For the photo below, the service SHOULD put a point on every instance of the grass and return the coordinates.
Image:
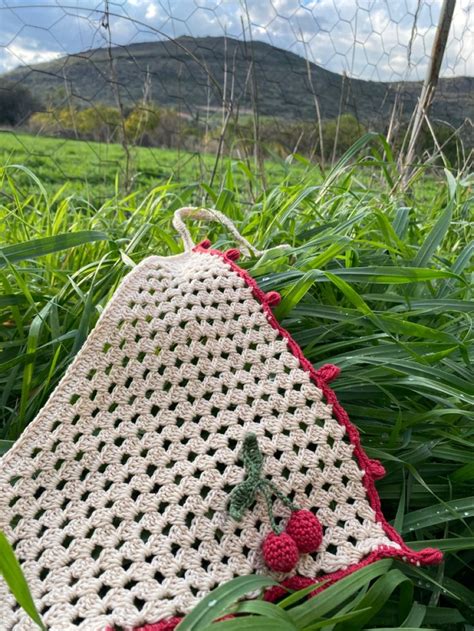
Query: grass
(377, 283)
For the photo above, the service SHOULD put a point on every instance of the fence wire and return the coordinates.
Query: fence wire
(257, 79)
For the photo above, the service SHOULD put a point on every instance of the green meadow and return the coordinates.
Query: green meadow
(97, 170)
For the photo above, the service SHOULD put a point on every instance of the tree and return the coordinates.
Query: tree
(142, 120)
(100, 123)
(16, 103)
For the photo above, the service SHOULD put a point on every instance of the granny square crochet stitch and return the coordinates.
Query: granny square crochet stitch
(116, 497)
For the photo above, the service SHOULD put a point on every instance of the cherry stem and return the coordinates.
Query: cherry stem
(244, 495)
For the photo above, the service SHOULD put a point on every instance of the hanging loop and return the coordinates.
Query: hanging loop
(206, 214)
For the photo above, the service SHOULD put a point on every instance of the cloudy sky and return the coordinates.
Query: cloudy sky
(369, 39)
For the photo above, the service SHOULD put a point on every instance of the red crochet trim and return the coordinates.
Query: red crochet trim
(373, 468)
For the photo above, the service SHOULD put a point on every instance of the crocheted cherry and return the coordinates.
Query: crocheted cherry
(305, 529)
(280, 552)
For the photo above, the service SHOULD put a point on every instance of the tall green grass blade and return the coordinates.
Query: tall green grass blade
(439, 514)
(262, 608)
(445, 545)
(434, 239)
(335, 595)
(443, 616)
(378, 595)
(463, 259)
(218, 602)
(330, 623)
(47, 245)
(401, 221)
(386, 275)
(248, 623)
(31, 175)
(294, 295)
(13, 576)
(297, 596)
(416, 616)
(31, 348)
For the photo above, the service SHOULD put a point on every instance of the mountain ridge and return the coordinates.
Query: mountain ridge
(188, 73)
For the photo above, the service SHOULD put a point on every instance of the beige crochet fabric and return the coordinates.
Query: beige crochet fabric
(116, 496)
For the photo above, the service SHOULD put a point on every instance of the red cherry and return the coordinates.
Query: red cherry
(305, 529)
(280, 552)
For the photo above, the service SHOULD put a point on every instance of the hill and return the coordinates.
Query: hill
(188, 73)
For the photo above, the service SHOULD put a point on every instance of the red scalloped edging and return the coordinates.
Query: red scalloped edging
(373, 468)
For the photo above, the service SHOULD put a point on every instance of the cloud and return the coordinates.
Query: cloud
(19, 55)
(370, 39)
(151, 11)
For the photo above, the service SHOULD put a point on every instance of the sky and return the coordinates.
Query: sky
(382, 40)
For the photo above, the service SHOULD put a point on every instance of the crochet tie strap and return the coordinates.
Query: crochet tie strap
(211, 214)
(207, 214)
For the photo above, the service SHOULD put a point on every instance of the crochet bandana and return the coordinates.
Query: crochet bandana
(188, 443)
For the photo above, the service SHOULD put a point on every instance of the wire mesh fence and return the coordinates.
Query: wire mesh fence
(156, 88)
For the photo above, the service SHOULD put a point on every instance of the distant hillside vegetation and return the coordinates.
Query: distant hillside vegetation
(188, 73)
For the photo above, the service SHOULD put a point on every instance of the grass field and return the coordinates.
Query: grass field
(96, 170)
(92, 167)
(380, 284)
